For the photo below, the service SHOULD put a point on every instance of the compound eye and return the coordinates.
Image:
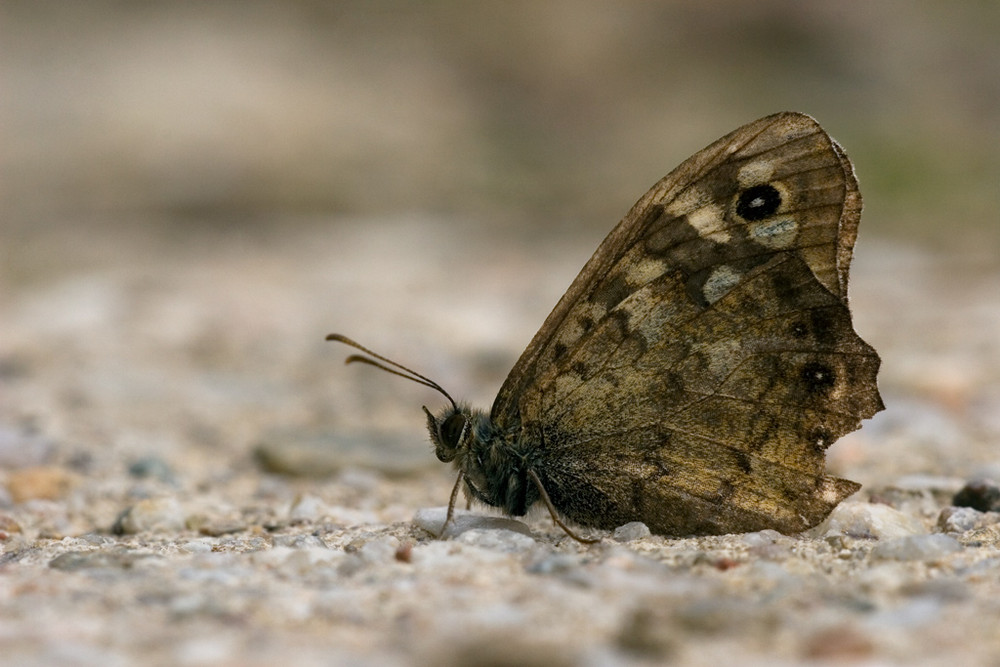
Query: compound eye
(451, 429)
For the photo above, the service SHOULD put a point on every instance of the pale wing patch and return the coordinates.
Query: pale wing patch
(723, 357)
(775, 234)
(829, 492)
(722, 279)
(645, 270)
(688, 201)
(709, 222)
(753, 173)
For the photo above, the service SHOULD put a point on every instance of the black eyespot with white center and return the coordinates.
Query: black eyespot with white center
(758, 202)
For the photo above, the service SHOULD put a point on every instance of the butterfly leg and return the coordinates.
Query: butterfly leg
(552, 510)
(451, 503)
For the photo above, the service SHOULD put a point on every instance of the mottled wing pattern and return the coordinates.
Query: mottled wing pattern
(699, 366)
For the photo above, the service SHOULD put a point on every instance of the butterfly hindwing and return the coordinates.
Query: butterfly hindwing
(703, 360)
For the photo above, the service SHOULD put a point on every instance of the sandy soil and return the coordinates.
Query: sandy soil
(189, 475)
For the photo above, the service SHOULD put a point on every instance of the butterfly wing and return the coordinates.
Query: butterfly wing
(697, 369)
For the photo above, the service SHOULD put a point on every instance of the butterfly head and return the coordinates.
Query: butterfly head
(451, 431)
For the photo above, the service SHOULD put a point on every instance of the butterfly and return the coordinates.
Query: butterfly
(697, 369)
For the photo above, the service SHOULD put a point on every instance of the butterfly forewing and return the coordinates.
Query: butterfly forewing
(703, 360)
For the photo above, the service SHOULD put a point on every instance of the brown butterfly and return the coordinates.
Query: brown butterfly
(696, 371)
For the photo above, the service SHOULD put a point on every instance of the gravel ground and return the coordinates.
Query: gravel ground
(189, 476)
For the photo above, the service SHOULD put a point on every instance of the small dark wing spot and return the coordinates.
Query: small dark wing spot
(820, 439)
(818, 377)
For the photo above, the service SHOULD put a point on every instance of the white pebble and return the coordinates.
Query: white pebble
(917, 547)
(633, 530)
(959, 519)
(870, 520)
(151, 514)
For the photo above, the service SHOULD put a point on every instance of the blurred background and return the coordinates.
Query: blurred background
(496, 113)
(193, 194)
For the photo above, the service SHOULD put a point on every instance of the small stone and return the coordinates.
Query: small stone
(494, 539)
(917, 547)
(151, 467)
(910, 501)
(503, 649)
(196, 546)
(555, 564)
(307, 507)
(39, 483)
(162, 515)
(432, 519)
(221, 527)
(870, 520)
(769, 544)
(23, 448)
(983, 495)
(959, 519)
(9, 525)
(404, 552)
(649, 632)
(321, 454)
(379, 550)
(299, 541)
(723, 616)
(633, 530)
(85, 560)
(838, 643)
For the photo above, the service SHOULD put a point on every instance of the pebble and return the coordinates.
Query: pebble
(152, 467)
(308, 507)
(959, 519)
(633, 530)
(497, 539)
(217, 527)
(379, 550)
(914, 501)
(648, 632)
(983, 495)
(769, 544)
(723, 615)
(161, 515)
(9, 525)
(39, 483)
(85, 560)
(869, 520)
(299, 541)
(843, 642)
(23, 448)
(291, 561)
(432, 519)
(917, 547)
(197, 546)
(318, 455)
(557, 563)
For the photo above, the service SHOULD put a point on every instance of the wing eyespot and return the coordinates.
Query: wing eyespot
(758, 202)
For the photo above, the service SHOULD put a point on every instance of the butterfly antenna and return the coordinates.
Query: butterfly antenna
(407, 373)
